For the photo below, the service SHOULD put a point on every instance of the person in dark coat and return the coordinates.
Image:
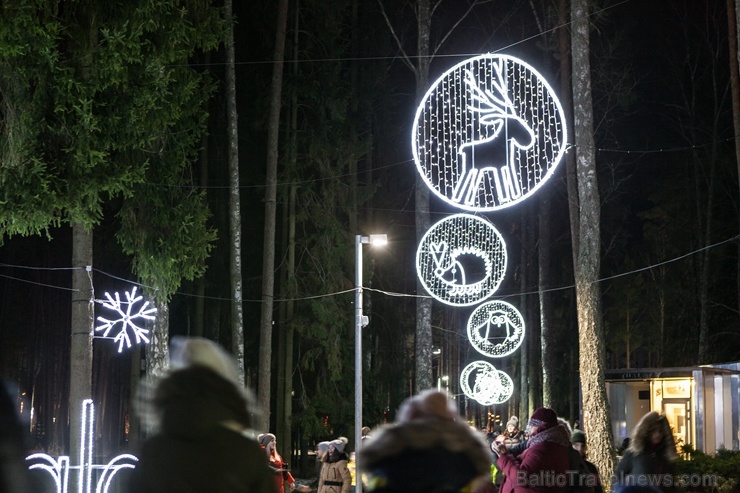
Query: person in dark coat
(430, 449)
(204, 444)
(546, 456)
(578, 439)
(648, 464)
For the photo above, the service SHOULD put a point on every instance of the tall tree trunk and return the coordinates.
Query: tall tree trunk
(268, 255)
(527, 346)
(423, 346)
(235, 217)
(732, 36)
(157, 351)
(596, 418)
(83, 309)
(547, 336)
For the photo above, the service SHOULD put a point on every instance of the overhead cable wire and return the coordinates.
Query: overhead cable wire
(380, 291)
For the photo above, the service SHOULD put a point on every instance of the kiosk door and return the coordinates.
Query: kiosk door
(678, 413)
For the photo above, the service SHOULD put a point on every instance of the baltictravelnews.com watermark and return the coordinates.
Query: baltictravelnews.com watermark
(578, 479)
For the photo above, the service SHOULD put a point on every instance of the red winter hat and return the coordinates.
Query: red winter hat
(542, 419)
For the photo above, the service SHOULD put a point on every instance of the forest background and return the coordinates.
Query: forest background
(665, 152)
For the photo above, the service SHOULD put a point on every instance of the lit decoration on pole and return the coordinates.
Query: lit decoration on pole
(496, 329)
(126, 319)
(461, 260)
(488, 133)
(59, 469)
(482, 382)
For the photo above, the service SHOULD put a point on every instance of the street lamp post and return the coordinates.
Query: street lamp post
(360, 322)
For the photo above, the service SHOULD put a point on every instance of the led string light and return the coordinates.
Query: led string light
(496, 329)
(126, 319)
(461, 260)
(59, 469)
(488, 133)
(481, 381)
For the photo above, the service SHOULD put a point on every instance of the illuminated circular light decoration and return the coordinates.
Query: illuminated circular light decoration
(488, 133)
(461, 260)
(126, 319)
(482, 382)
(496, 329)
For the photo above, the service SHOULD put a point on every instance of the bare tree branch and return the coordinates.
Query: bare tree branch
(405, 58)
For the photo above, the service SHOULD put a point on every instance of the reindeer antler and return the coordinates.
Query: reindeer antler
(493, 107)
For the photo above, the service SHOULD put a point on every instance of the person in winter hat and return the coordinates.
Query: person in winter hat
(335, 476)
(578, 439)
(428, 449)
(321, 449)
(512, 435)
(281, 473)
(204, 442)
(546, 453)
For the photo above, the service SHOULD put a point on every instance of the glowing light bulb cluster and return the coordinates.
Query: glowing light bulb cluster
(58, 469)
(486, 136)
(126, 318)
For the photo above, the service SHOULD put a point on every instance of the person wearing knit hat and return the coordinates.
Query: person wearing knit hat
(281, 472)
(512, 435)
(429, 448)
(335, 475)
(203, 442)
(578, 439)
(546, 452)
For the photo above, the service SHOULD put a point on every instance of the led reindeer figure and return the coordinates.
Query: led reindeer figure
(501, 129)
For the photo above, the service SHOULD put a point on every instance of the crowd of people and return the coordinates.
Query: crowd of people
(205, 442)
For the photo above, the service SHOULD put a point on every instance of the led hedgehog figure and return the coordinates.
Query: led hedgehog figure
(452, 273)
(490, 159)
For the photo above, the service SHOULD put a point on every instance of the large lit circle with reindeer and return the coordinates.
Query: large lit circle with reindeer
(481, 381)
(488, 133)
(461, 260)
(496, 329)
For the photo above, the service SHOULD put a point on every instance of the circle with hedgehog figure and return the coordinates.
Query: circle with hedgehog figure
(461, 260)
(488, 133)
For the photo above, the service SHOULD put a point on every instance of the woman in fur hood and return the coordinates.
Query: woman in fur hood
(428, 449)
(650, 457)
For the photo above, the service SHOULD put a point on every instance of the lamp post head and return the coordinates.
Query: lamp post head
(374, 239)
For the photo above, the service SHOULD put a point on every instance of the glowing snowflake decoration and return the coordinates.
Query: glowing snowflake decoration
(126, 319)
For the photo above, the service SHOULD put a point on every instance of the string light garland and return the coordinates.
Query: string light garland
(488, 133)
(496, 329)
(126, 319)
(461, 260)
